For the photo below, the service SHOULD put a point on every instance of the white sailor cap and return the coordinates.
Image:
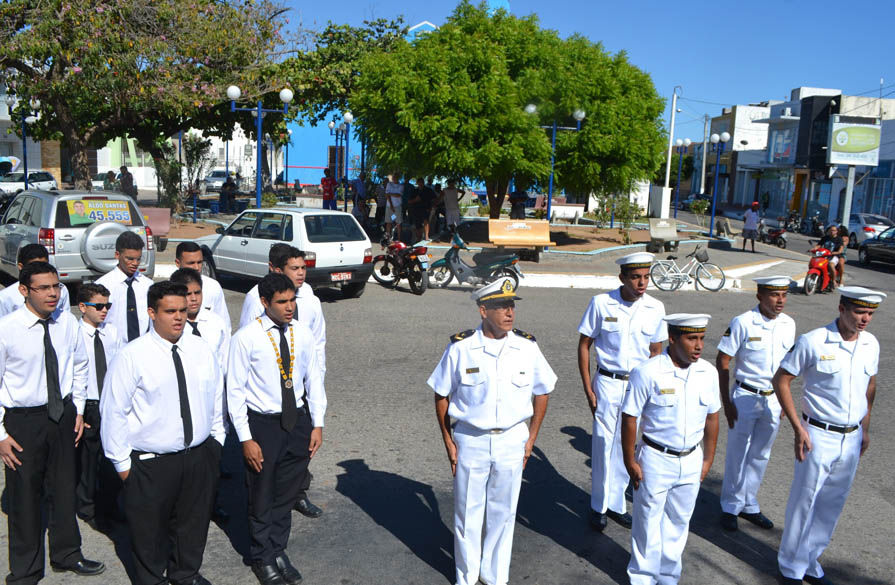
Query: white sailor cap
(636, 260)
(862, 297)
(502, 289)
(773, 282)
(688, 322)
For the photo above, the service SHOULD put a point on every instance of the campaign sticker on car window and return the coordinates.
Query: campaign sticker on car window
(87, 211)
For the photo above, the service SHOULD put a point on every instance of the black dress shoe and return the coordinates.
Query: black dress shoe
(623, 519)
(220, 515)
(82, 567)
(728, 522)
(758, 519)
(597, 521)
(305, 506)
(817, 580)
(197, 580)
(290, 574)
(787, 580)
(268, 574)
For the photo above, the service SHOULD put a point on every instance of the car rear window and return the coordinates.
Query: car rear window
(878, 220)
(85, 212)
(327, 228)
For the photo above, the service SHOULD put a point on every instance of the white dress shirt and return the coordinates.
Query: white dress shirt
(140, 404)
(835, 372)
(111, 345)
(759, 345)
(307, 310)
(116, 282)
(11, 299)
(622, 331)
(213, 300)
(672, 402)
(490, 382)
(253, 376)
(215, 332)
(23, 374)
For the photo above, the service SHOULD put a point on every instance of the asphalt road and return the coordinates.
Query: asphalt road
(383, 478)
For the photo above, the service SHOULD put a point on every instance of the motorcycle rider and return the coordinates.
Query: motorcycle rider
(832, 241)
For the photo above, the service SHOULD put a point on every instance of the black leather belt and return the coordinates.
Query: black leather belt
(144, 455)
(828, 427)
(663, 449)
(32, 409)
(608, 374)
(302, 410)
(755, 390)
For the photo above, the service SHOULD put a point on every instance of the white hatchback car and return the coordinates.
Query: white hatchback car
(37, 179)
(338, 251)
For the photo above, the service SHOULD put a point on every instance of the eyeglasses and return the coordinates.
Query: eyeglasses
(45, 288)
(99, 306)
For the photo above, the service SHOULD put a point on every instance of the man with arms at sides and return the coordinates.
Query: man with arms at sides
(98, 484)
(128, 288)
(328, 187)
(490, 380)
(163, 429)
(277, 404)
(625, 327)
(43, 387)
(750, 225)
(10, 297)
(758, 339)
(838, 364)
(189, 255)
(675, 397)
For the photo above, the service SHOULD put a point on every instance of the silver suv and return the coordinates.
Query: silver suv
(78, 228)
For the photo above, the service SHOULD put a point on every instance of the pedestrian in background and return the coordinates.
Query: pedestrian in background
(750, 225)
(328, 187)
(110, 183)
(126, 183)
(451, 200)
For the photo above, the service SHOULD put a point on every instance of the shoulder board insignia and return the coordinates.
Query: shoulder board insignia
(462, 335)
(727, 333)
(527, 336)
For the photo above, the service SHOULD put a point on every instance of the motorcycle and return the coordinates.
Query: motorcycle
(487, 267)
(813, 226)
(775, 237)
(402, 261)
(818, 278)
(790, 223)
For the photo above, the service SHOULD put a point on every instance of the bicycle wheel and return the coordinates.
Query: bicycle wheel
(662, 274)
(710, 277)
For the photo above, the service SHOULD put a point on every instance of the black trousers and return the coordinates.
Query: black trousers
(47, 470)
(168, 501)
(98, 483)
(274, 491)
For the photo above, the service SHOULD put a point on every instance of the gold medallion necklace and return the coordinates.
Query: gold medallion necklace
(276, 349)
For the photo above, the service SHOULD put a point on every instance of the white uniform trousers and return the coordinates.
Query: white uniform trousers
(608, 476)
(486, 491)
(663, 505)
(820, 486)
(749, 445)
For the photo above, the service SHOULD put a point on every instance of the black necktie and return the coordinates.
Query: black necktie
(289, 416)
(51, 362)
(133, 321)
(195, 327)
(99, 353)
(184, 399)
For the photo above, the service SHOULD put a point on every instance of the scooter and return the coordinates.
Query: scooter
(488, 266)
(775, 237)
(818, 278)
(402, 261)
(790, 222)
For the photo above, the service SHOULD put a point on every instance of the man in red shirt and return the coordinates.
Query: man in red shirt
(328, 185)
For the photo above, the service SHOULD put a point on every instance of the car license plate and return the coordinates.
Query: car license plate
(424, 263)
(340, 276)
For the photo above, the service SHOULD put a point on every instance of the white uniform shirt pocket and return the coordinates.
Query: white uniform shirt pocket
(471, 391)
(611, 333)
(522, 379)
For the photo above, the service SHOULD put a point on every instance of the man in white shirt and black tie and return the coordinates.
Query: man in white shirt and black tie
(43, 381)
(128, 287)
(189, 255)
(10, 297)
(163, 430)
(277, 404)
(98, 486)
(200, 321)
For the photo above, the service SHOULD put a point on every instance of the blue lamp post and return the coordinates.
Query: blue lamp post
(682, 147)
(578, 115)
(234, 94)
(348, 118)
(29, 117)
(718, 142)
(286, 163)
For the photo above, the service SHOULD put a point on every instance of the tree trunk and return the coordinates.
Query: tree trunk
(80, 164)
(497, 192)
(167, 172)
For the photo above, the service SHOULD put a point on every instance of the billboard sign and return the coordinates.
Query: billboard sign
(854, 142)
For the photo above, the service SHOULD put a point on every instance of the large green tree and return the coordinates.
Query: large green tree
(147, 68)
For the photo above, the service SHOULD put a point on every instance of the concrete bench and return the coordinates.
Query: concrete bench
(520, 233)
(662, 235)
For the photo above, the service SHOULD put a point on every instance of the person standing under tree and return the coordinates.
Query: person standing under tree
(328, 187)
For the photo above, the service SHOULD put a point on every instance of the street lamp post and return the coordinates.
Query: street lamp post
(286, 163)
(718, 142)
(234, 94)
(682, 147)
(28, 117)
(348, 118)
(578, 115)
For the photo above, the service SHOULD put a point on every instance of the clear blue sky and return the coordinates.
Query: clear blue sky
(722, 51)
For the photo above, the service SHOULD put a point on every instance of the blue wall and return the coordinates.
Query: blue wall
(309, 148)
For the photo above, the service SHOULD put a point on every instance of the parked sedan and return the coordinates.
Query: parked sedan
(15, 182)
(878, 249)
(864, 226)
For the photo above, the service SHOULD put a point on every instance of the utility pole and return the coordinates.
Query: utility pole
(671, 134)
(705, 147)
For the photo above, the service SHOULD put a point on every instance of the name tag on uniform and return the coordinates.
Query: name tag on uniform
(827, 358)
(611, 319)
(472, 370)
(755, 339)
(666, 391)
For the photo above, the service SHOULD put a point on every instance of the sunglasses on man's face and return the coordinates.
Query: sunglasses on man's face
(99, 306)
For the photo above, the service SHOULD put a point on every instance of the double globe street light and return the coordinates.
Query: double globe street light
(342, 132)
(718, 142)
(578, 115)
(29, 117)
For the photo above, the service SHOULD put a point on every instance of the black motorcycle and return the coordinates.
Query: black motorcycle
(813, 226)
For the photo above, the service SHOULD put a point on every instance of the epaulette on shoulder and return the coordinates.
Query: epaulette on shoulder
(462, 335)
(527, 336)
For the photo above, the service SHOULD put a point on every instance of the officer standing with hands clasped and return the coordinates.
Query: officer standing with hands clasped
(675, 396)
(839, 364)
(625, 327)
(758, 339)
(486, 380)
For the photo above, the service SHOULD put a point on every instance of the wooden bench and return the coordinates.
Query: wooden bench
(662, 235)
(520, 233)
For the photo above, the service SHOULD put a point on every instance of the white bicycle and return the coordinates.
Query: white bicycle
(667, 275)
